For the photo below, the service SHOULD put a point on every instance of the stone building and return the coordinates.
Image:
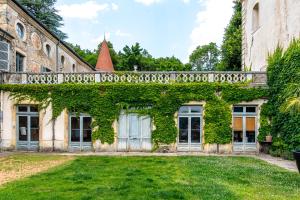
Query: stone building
(267, 24)
(31, 54)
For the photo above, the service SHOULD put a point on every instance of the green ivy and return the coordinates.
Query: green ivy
(104, 103)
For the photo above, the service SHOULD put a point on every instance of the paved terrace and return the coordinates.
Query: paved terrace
(254, 78)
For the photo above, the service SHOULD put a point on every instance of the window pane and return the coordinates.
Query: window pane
(183, 129)
(75, 135)
(87, 135)
(75, 123)
(238, 109)
(238, 124)
(23, 128)
(34, 109)
(250, 136)
(184, 109)
(196, 109)
(195, 132)
(22, 108)
(238, 136)
(87, 123)
(251, 109)
(34, 128)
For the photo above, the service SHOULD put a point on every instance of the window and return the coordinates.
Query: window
(244, 124)
(27, 127)
(45, 70)
(4, 56)
(255, 17)
(62, 61)
(20, 30)
(48, 50)
(190, 122)
(19, 62)
(80, 132)
(73, 68)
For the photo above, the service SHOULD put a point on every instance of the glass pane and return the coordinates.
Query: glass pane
(34, 109)
(23, 128)
(183, 129)
(238, 109)
(238, 136)
(22, 108)
(184, 109)
(133, 127)
(238, 124)
(87, 135)
(75, 135)
(196, 109)
(251, 109)
(195, 123)
(250, 136)
(87, 123)
(75, 123)
(34, 128)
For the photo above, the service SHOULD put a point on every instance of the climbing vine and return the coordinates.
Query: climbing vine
(105, 101)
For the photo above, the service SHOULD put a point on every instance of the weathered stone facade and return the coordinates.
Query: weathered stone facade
(267, 24)
(39, 46)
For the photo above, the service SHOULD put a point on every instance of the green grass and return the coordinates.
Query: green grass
(158, 178)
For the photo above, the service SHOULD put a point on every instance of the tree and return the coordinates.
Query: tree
(205, 58)
(231, 49)
(46, 13)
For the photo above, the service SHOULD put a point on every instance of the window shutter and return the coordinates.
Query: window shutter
(4, 56)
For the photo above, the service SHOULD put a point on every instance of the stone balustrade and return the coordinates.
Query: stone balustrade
(258, 78)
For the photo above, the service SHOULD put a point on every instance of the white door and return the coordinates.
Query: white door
(134, 133)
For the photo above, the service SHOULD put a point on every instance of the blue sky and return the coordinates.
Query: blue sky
(163, 27)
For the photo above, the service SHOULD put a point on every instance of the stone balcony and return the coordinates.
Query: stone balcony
(254, 78)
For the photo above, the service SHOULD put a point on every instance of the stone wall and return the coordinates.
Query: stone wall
(33, 44)
(278, 25)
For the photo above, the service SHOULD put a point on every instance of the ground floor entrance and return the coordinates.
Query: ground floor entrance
(27, 128)
(190, 128)
(134, 133)
(80, 133)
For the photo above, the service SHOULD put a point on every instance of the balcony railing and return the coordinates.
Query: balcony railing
(257, 78)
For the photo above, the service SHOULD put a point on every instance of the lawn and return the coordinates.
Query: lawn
(158, 178)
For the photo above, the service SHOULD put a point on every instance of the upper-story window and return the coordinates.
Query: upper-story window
(20, 30)
(255, 17)
(19, 62)
(62, 61)
(73, 68)
(48, 50)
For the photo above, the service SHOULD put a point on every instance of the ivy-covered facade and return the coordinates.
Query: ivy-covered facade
(206, 117)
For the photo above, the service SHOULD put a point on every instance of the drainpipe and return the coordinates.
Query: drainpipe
(53, 134)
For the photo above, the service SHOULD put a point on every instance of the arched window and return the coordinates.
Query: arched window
(20, 30)
(48, 50)
(255, 17)
(73, 68)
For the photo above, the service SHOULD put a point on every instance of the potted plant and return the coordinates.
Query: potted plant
(269, 138)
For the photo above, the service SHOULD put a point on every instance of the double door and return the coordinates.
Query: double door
(27, 128)
(134, 133)
(80, 133)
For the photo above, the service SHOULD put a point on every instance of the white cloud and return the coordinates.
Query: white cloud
(211, 22)
(122, 34)
(114, 6)
(87, 10)
(148, 2)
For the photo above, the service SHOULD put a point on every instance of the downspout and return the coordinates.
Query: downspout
(53, 134)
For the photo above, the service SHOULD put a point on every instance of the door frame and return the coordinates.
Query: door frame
(244, 145)
(79, 146)
(27, 145)
(190, 146)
